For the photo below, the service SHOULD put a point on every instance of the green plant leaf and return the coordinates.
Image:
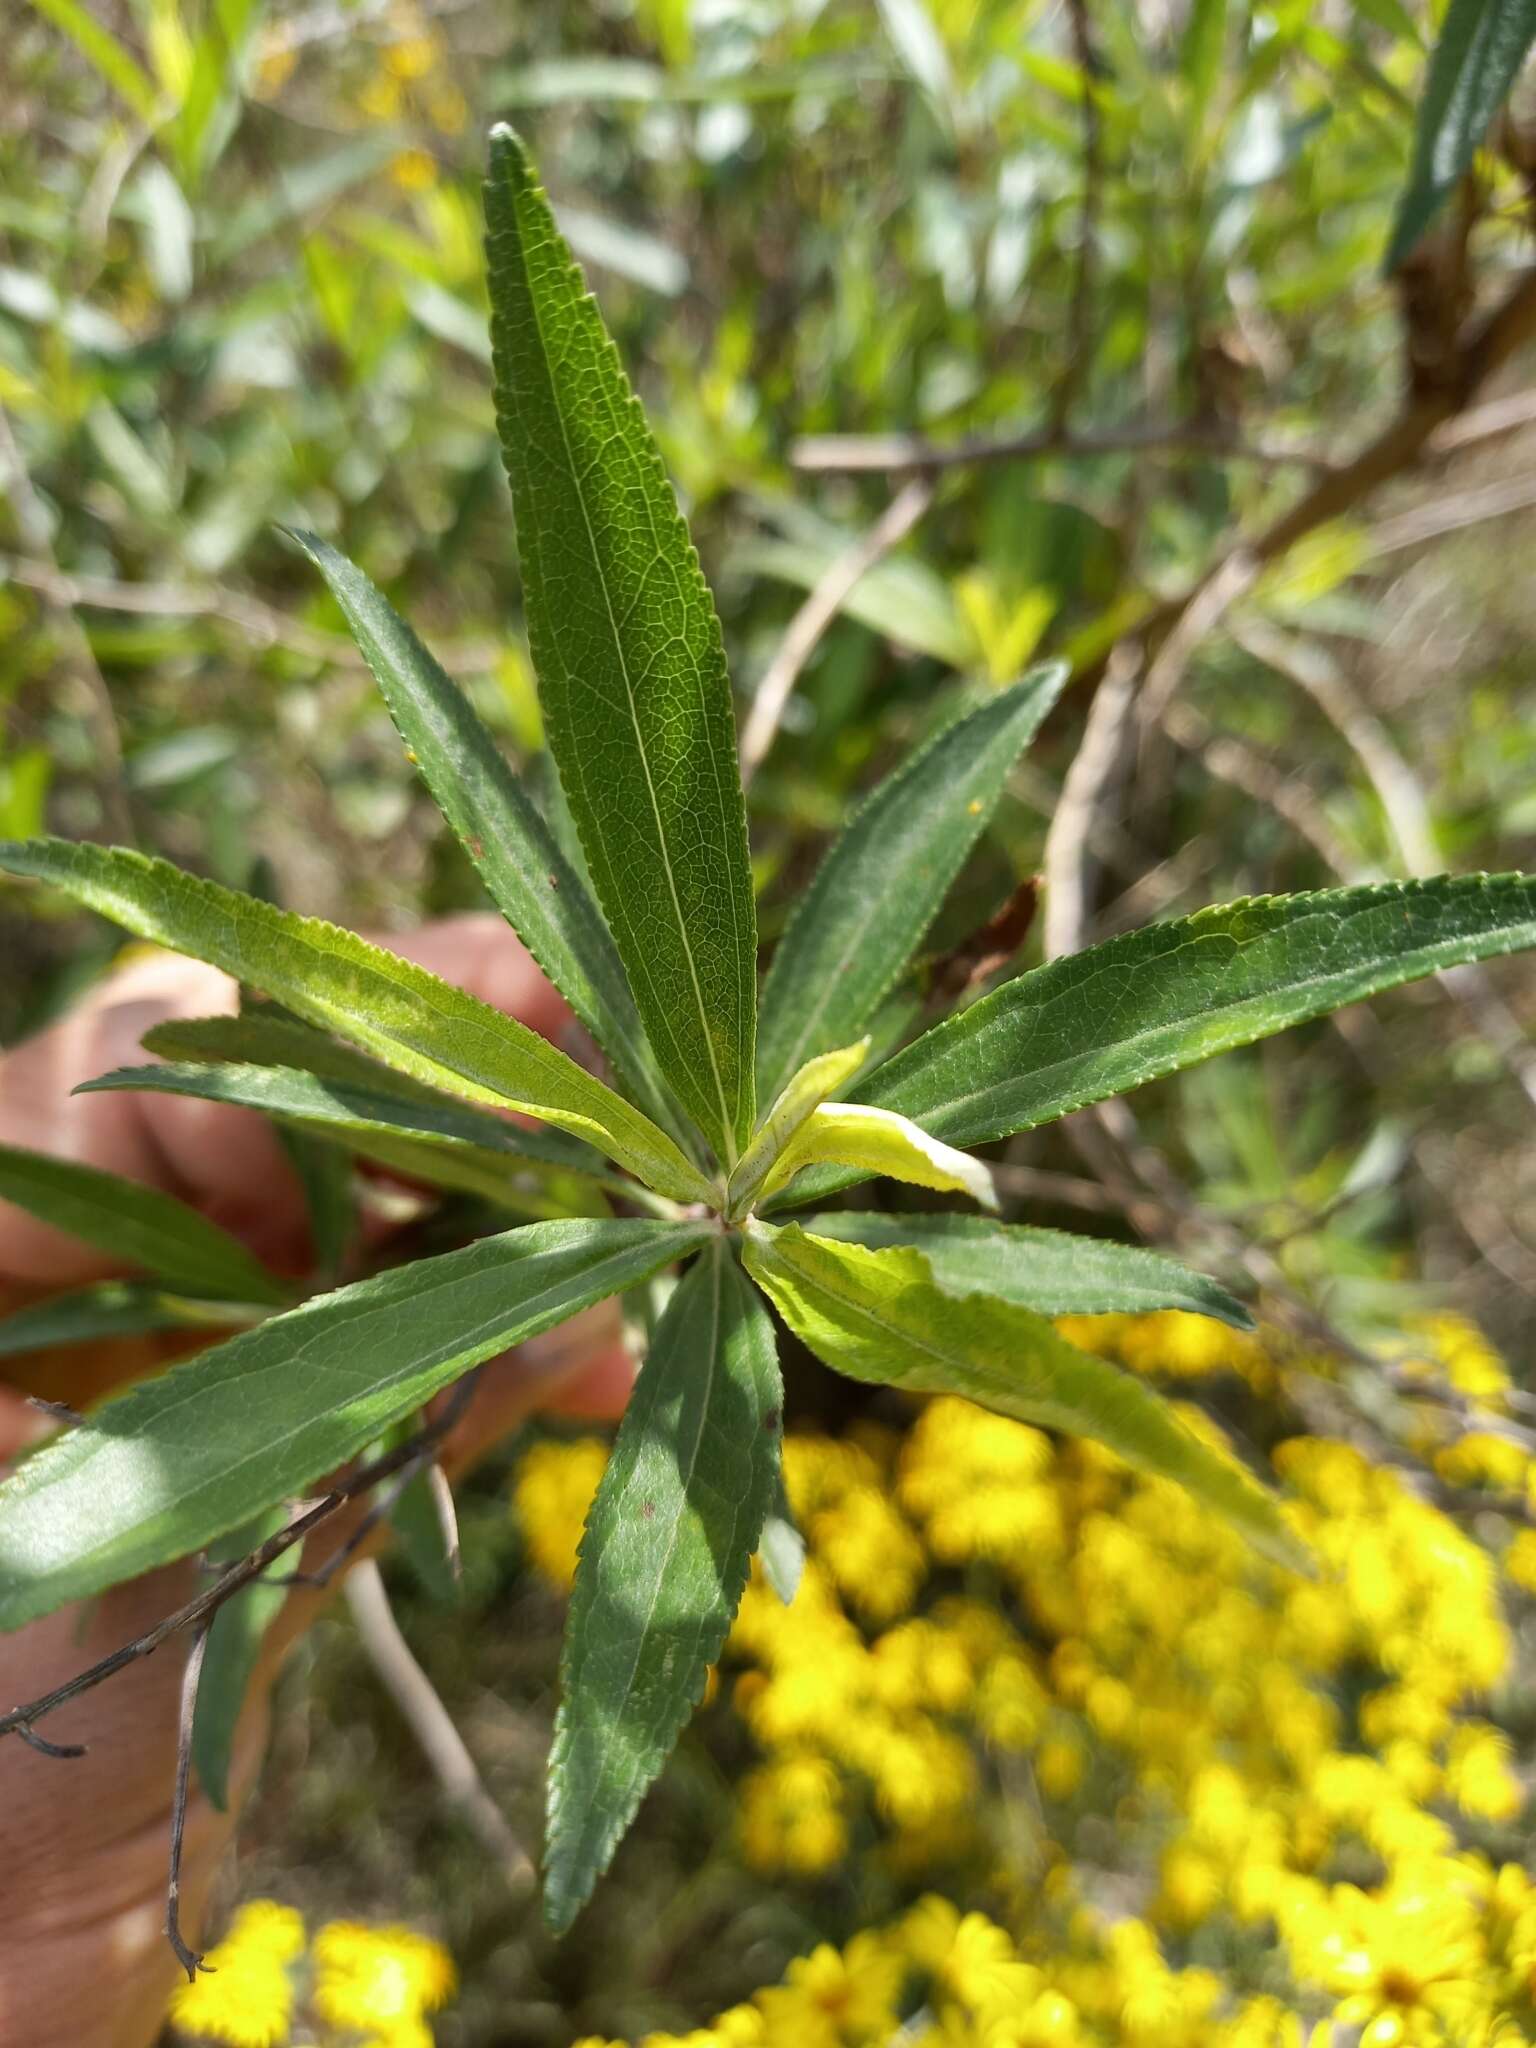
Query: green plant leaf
(234, 1643)
(1482, 45)
(425, 1027)
(1094, 1024)
(879, 1141)
(137, 1225)
(881, 1316)
(799, 1098)
(1054, 1272)
(632, 678)
(464, 1147)
(530, 881)
(175, 1462)
(115, 1308)
(665, 1556)
(882, 882)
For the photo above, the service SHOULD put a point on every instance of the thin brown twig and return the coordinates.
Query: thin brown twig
(851, 454)
(1229, 760)
(202, 1606)
(191, 1960)
(432, 1725)
(1451, 514)
(1488, 422)
(1086, 794)
(834, 588)
(1407, 812)
(1079, 336)
(262, 622)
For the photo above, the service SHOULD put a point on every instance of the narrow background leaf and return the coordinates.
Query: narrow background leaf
(137, 1225)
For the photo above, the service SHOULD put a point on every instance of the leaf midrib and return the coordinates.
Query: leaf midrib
(686, 1477)
(727, 1120)
(286, 1364)
(956, 1103)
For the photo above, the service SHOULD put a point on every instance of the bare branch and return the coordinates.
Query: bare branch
(262, 623)
(431, 1724)
(1451, 514)
(190, 1959)
(1173, 439)
(837, 584)
(1407, 811)
(1079, 338)
(1087, 791)
(203, 1605)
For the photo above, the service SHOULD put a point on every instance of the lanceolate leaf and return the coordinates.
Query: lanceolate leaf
(881, 1316)
(425, 1027)
(1051, 1271)
(1482, 45)
(430, 1137)
(175, 1462)
(878, 1141)
(234, 1644)
(631, 667)
(667, 1548)
(137, 1225)
(367, 1120)
(541, 896)
(92, 1315)
(882, 882)
(1093, 1024)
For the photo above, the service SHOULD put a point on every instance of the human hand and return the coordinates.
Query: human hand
(83, 1958)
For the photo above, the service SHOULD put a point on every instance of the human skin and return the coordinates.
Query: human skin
(84, 1961)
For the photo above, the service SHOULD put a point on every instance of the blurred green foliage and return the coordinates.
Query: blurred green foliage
(241, 283)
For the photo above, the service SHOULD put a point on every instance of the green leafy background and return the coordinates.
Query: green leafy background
(273, 312)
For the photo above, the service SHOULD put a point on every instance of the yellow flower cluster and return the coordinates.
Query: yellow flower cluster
(367, 1987)
(1020, 1664)
(411, 80)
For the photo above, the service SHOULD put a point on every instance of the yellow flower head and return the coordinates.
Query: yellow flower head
(380, 1977)
(246, 1996)
(553, 1491)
